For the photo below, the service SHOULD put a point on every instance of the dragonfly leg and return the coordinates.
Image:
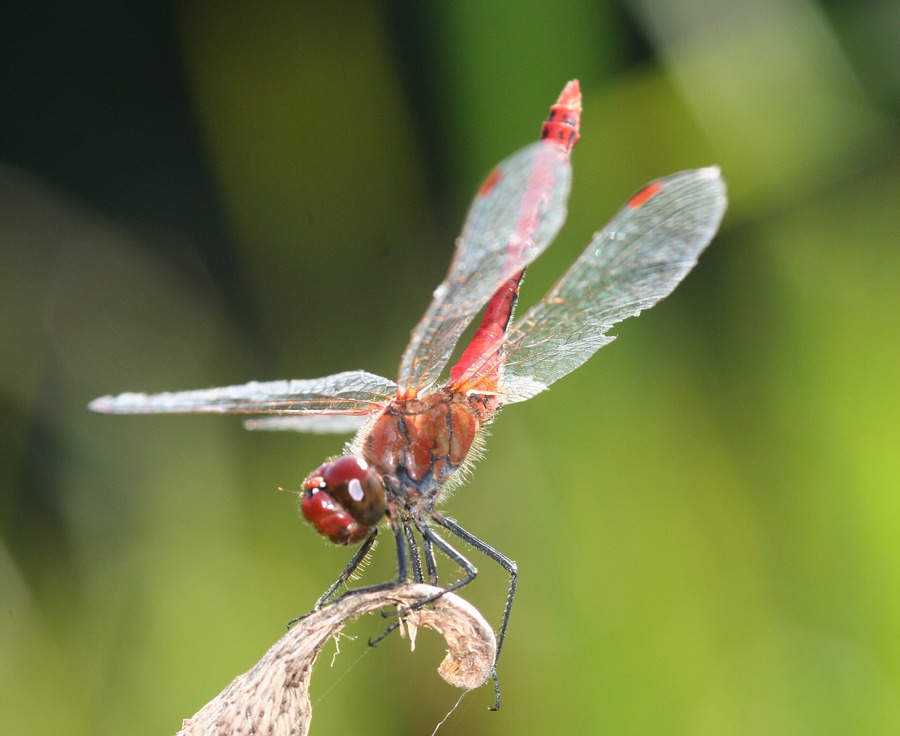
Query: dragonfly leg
(416, 559)
(507, 564)
(428, 547)
(430, 540)
(406, 545)
(350, 569)
(353, 565)
(501, 559)
(433, 540)
(345, 575)
(413, 553)
(470, 573)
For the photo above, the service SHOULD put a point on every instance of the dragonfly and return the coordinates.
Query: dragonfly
(416, 437)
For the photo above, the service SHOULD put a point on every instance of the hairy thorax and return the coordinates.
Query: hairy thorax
(417, 444)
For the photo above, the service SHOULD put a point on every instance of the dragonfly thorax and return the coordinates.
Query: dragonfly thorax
(417, 444)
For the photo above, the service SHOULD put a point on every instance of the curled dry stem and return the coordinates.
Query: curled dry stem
(273, 697)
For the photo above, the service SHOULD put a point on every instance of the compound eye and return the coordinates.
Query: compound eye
(330, 519)
(356, 487)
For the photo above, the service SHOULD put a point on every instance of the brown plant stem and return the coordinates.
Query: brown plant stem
(272, 698)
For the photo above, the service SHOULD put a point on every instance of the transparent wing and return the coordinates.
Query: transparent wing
(514, 217)
(350, 393)
(636, 260)
(315, 423)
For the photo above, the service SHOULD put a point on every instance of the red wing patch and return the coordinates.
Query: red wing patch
(489, 183)
(645, 195)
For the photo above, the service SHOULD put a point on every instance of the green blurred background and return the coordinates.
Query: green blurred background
(706, 516)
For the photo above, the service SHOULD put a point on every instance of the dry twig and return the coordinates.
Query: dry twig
(272, 698)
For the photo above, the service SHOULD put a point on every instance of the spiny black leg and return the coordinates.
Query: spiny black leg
(468, 568)
(498, 557)
(433, 540)
(429, 560)
(413, 552)
(507, 565)
(345, 575)
(402, 571)
(402, 565)
(471, 572)
(402, 535)
(350, 569)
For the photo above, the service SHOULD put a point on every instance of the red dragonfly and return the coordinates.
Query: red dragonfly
(417, 436)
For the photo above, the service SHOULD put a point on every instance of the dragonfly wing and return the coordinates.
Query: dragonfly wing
(631, 264)
(314, 423)
(350, 393)
(514, 217)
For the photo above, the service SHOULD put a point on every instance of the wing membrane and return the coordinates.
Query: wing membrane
(631, 264)
(514, 217)
(349, 393)
(314, 423)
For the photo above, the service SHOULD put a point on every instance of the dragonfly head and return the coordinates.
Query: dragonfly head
(343, 499)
